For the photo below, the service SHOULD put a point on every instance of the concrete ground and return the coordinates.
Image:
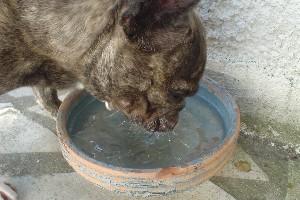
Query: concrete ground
(263, 168)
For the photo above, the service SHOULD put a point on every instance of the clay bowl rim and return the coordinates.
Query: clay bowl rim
(230, 140)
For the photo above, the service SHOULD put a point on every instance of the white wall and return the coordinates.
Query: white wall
(254, 50)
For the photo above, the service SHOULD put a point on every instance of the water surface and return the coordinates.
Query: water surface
(108, 136)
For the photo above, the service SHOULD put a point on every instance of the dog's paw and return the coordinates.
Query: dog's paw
(7, 192)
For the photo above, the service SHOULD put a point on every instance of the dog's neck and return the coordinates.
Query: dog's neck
(63, 30)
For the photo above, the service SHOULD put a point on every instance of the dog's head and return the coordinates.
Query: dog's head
(152, 61)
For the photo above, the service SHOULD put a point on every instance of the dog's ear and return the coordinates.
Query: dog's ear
(140, 14)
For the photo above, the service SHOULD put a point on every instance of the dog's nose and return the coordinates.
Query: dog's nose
(162, 124)
(167, 123)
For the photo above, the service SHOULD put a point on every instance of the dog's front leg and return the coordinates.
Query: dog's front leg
(45, 81)
(47, 98)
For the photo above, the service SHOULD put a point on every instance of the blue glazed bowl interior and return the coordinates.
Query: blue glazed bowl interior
(207, 122)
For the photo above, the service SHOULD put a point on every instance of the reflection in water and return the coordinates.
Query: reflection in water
(108, 137)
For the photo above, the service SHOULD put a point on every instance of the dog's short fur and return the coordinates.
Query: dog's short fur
(141, 56)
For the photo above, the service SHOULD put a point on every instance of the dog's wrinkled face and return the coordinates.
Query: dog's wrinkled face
(156, 64)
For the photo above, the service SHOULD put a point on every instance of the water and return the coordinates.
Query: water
(110, 138)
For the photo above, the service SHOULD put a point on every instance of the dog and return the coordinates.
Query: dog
(142, 57)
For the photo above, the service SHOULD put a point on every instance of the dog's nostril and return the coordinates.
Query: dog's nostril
(167, 124)
(153, 125)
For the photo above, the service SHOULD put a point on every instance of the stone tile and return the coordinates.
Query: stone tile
(18, 134)
(294, 181)
(244, 189)
(271, 161)
(55, 187)
(231, 170)
(29, 152)
(5, 105)
(207, 191)
(8, 108)
(21, 92)
(71, 186)
(39, 110)
(33, 164)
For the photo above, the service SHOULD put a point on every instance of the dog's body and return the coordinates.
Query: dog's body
(141, 56)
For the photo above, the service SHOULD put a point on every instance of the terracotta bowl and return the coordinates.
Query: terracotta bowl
(157, 181)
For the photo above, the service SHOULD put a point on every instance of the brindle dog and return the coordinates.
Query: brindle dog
(143, 57)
